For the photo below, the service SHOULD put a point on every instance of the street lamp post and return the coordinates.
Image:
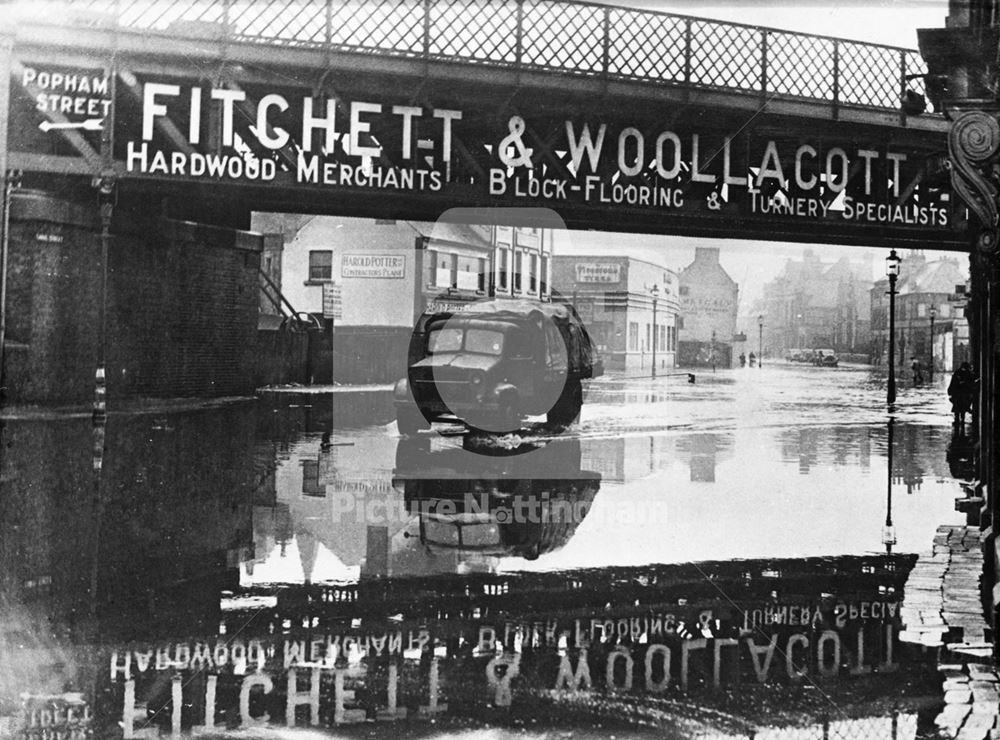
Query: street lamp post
(655, 292)
(760, 341)
(930, 369)
(892, 271)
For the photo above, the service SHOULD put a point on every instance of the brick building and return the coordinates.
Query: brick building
(522, 261)
(614, 297)
(921, 286)
(181, 310)
(813, 304)
(388, 272)
(709, 299)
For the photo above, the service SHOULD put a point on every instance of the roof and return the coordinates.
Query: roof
(442, 231)
(704, 266)
(940, 276)
(519, 308)
(504, 308)
(367, 232)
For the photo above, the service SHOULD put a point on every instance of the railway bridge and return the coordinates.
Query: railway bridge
(138, 137)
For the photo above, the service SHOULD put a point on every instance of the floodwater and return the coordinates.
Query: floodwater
(719, 559)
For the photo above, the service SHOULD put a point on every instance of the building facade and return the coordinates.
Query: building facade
(614, 296)
(813, 304)
(923, 289)
(709, 300)
(522, 260)
(386, 272)
(367, 281)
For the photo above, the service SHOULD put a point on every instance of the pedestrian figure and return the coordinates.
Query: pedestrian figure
(743, 359)
(960, 391)
(753, 359)
(918, 376)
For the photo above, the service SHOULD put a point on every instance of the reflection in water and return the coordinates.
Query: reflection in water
(299, 561)
(889, 531)
(701, 450)
(960, 455)
(524, 503)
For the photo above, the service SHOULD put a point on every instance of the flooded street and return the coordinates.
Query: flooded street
(720, 559)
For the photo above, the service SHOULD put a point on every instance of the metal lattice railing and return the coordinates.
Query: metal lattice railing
(568, 37)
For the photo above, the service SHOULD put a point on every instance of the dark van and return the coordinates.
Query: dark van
(493, 364)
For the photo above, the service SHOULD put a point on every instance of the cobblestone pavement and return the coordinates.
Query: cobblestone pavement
(942, 608)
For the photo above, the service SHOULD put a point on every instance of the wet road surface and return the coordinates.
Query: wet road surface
(688, 560)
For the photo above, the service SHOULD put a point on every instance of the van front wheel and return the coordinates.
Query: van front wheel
(567, 409)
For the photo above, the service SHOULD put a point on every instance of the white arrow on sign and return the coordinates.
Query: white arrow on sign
(91, 124)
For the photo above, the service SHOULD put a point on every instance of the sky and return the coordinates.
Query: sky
(891, 22)
(749, 263)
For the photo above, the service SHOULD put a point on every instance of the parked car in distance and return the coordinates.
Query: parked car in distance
(825, 358)
(795, 355)
(494, 363)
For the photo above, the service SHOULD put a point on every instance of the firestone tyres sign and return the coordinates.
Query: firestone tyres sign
(598, 272)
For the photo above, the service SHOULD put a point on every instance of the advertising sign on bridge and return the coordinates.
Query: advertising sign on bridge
(392, 156)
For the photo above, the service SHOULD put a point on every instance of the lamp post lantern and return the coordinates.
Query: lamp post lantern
(760, 341)
(892, 271)
(655, 293)
(930, 368)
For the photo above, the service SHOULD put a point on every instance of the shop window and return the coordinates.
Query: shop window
(502, 271)
(443, 277)
(467, 277)
(633, 336)
(431, 261)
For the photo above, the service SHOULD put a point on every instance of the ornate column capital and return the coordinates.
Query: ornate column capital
(973, 143)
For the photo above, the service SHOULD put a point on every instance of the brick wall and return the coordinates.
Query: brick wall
(173, 499)
(182, 304)
(282, 357)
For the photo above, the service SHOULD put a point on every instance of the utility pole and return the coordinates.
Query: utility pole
(655, 292)
(892, 271)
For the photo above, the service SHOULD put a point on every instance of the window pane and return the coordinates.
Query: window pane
(484, 341)
(444, 340)
(320, 265)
